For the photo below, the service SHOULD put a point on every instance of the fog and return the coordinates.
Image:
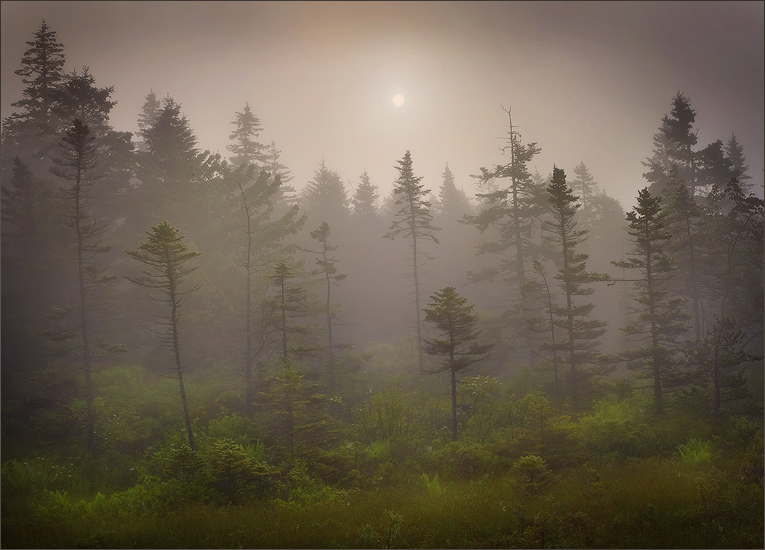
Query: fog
(382, 274)
(588, 81)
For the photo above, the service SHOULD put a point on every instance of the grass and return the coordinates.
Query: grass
(646, 504)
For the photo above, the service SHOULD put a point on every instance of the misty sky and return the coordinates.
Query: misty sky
(588, 81)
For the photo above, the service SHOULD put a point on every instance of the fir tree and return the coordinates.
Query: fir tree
(458, 343)
(327, 267)
(148, 115)
(734, 151)
(42, 72)
(77, 161)
(166, 255)
(246, 149)
(580, 335)
(658, 319)
(414, 221)
(673, 146)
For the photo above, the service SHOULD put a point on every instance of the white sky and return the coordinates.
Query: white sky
(588, 81)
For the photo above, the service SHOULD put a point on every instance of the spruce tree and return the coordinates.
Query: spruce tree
(76, 163)
(246, 149)
(414, 221)
(365, 198)
(42, 72)
(658, 320)
(149, 111)
(458, 342)
(673, 146)
(584, 184)
(685, 225)
(263, 243)
(508, 212)
(579, 342)
(734, 151)
(327, 267)
(325, 198)
(166, 257)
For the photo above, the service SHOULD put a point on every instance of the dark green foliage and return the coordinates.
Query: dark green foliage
(658, 320)
(458, 343)
(507, 215)
(579, 342)
(165, 254)
(718, 382)
(42, 71)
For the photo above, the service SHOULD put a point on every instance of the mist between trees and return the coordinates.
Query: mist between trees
(321, 323)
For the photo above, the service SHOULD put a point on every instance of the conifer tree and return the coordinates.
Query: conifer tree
(717, 364)
(544, 324)
(79, 97)
(42, 72)
(264, 243)
(166, 257)
(684, 224)
(458, 342)
(414, 221)
(507, 215)
(149, 111)
(584, 184)
(734, 244)
(578, 346)
(658, 319)
(325, 198)
(734, 151)
(76, 163)
(453, 203)
(365, 198)
(673, 146)
(290, 302)
(327, 266)
(511, 210)
(246, 149)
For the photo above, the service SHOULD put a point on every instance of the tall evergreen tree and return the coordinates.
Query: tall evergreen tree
(511, 210)
(414, 221)
(246, 149)
(79, 97)
(328, 267)
(170, 140)
(458, 343)
(580, 334)
(658, 320)
(290, 301)
(673, 146)
(717, 362)
(149, 111)
(325, 198)
(365, 198)
(77, 161)
(286, 197)
(453, 203)
(42, 72)
(507, 214)
(734, 245)
(584, 184)
(684, 224)
(734, 151)
(166, 257)
(264, 242)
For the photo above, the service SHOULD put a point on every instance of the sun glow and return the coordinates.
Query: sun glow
(398, 100)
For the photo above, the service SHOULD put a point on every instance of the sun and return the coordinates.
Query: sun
(398, 100)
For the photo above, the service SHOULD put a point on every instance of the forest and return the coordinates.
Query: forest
(200, 352)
